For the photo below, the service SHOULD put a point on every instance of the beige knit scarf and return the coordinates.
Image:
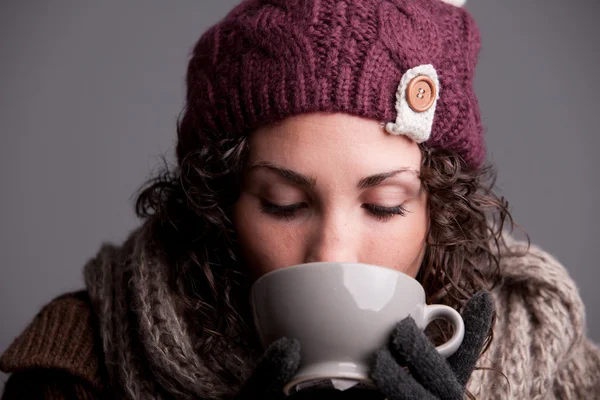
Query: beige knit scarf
(540, 342)
(151, 353)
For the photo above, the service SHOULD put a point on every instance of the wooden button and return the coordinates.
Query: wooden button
(421, 93)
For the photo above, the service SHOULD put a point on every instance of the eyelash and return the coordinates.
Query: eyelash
(288, 212)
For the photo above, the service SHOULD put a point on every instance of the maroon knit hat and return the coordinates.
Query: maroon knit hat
(406, 63)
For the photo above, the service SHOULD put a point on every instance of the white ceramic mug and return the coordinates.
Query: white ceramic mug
(341, 313)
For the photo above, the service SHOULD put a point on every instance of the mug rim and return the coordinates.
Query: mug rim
(342, 264)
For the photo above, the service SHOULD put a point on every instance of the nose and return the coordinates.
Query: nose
(332, 239)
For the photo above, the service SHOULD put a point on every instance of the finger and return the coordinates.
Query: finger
(410, 347)
(477, 316)
(393, 381)
(273, 370)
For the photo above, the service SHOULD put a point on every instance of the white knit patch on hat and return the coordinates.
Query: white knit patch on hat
(415, 125)
(457, 3)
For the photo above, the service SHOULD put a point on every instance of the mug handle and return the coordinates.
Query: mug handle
(440, 311)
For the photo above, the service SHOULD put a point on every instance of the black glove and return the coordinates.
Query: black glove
(431, 375)
(273, 370)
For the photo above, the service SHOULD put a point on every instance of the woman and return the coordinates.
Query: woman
(313, 131)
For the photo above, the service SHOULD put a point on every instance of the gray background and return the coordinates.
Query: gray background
(90, 92)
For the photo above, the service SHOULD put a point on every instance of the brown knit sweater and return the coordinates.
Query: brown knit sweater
(58, 355)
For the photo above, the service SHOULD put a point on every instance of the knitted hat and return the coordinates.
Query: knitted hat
(406, 63)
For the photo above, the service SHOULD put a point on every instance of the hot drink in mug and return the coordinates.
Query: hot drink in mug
(341, 313)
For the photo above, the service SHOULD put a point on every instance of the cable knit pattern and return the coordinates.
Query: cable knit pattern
(148, 349)
(269, 59)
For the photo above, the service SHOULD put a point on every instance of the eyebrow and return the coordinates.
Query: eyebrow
(309, 183)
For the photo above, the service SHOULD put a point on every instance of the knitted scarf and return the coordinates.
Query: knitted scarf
(148, 349)
(539, 336)
(150, 352)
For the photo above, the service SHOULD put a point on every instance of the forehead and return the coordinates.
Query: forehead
(332, 141)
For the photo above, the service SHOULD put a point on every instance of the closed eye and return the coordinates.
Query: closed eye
(386, 213)
(289, 212)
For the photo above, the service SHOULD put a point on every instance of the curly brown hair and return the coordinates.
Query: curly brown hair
(190, 207)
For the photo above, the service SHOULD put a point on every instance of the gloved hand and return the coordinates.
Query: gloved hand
(277, 366)
(273, 370)
(431, 375)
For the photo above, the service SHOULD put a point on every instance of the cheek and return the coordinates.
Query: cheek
(266, 246)
(401, 244)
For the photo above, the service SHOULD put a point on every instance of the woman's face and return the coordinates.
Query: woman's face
(331, 187)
